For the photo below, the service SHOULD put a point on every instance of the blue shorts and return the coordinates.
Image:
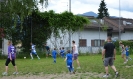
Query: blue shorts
(127, 53)
(34, 53)
(69, 63)
(54, 57)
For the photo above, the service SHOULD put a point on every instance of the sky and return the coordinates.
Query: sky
(82, 6)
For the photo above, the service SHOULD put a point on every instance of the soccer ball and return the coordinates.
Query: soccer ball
(24, 57)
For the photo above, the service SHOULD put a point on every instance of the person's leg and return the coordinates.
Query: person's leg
(106, 70)
(31, 55)
(126, 58)
(129, 58)
(76, 57)
(6, 64)
(13, 63)
(123, 56)
(106, 63)
(68, 66)
(54, 58)
(111, 63)
(6, 67)
(71, 67)
(46, 53)
(36, 55)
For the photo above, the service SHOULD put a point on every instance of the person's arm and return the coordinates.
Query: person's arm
(73, 48)
(65, 59)
(114, 53)
(123, 48)
(103, 53)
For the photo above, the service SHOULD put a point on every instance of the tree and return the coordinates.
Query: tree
(44, 25)
(66, 22)
(103, 11)
(13, 10)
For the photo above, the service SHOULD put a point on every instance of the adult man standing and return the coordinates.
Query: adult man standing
(75, 53)
(108, 54)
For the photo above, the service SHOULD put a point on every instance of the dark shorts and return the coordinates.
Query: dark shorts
(34, 53)
(75, 56)
(108, 61)
(8, 61)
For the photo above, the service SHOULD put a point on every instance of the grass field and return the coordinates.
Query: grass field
(91, 68)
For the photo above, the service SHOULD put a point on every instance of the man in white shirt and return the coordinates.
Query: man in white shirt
(75, 53)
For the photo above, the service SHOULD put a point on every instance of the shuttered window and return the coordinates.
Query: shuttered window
(97, 42)
(82, 43)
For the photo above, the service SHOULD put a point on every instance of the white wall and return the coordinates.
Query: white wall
(89, 35)
(5, 47)
(84, 34)
(127, 35)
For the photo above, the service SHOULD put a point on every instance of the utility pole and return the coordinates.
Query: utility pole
(119, 21)
(69, 30)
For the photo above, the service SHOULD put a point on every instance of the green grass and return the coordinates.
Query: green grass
(91, 67)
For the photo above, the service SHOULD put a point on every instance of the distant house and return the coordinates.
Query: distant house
(93, 36)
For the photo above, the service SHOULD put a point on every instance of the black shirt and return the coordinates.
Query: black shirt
(109, 49)
(47, 48)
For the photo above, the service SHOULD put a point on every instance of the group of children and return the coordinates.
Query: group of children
(68, 58)
(125, 52)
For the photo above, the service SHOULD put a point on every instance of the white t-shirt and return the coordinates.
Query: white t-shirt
(76, 49)
(33, 48)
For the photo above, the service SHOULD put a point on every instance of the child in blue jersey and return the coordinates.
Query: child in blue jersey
(54, 52)
(33, 51)
(69, 61)
(127, 53)
(62, 52)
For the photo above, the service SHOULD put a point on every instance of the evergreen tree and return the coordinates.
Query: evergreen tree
(103, 11)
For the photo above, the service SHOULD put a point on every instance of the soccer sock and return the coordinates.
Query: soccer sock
(31, 56)
(38, 57)
(130, 58)
(69, 69)
(54, 60)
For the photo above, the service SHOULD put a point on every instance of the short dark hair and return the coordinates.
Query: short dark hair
(109, 37)
(62, 47)
(54, 48)
(68, 51)
(73, 41)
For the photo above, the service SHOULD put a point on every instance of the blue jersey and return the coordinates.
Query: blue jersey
(127, 51)
(69, 57)
(54, 53)
(62, 51)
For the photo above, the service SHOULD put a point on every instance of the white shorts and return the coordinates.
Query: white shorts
(124, 52)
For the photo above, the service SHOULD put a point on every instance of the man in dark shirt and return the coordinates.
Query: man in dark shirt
(47, 50)
(108, 55)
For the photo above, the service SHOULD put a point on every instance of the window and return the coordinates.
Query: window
(97, 42)
(109, 32)
(82, 43)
